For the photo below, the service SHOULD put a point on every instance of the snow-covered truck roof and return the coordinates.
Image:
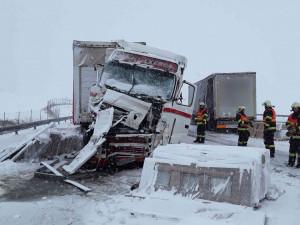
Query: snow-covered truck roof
(153, 51)
(89, 53)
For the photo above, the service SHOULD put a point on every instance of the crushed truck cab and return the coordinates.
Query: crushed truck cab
(142, 85)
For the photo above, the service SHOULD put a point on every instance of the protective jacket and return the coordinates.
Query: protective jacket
(269, 119)
(243, 121)
(293, 125)
(201, 116)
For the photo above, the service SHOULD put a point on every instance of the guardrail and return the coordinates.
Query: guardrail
(276, 115)
(16, 128)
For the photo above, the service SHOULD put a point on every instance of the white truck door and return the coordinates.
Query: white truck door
(177, 116)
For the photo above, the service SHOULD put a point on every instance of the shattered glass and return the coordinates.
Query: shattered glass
(138, 80)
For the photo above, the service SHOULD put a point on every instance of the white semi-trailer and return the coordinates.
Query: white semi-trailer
(128, 97)
(223, 93)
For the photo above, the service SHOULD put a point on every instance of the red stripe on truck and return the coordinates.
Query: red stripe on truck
(180, 113)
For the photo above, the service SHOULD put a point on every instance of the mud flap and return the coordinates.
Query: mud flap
(102, 126)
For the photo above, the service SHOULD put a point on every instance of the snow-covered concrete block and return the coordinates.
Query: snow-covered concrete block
(236, 175)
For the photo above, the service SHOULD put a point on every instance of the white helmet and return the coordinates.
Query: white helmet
(295, 105)
(267, 103)
(241, 108)
(202, 103)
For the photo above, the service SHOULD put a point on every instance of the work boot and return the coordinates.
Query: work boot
(292, 161)
(298, 165)
(197, 140)
(202, 140)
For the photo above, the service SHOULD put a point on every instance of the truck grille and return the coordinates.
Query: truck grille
(127, 149)
(128, 140)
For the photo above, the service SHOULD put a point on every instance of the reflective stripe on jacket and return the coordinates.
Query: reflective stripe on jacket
(201, 116)
(293, 126)
(243, 121)
(269, 119)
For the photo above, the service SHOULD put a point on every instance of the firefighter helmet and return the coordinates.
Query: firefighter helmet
(202, 103)
(241, 108)
(295, 105)
(267, 103)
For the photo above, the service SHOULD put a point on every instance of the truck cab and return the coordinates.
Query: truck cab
(143, 85)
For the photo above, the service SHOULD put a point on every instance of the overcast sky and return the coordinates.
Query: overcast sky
(215, 36)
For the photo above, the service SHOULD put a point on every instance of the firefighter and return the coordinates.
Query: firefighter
(243, 126)
(202, 115)
(293, 126)
(269, 120)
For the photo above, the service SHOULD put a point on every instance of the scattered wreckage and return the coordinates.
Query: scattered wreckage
(127, 100)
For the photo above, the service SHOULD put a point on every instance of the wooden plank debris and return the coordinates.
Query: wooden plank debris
(80, 186)
(53, 170)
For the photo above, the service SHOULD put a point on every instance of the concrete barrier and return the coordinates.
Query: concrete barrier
(257, 131)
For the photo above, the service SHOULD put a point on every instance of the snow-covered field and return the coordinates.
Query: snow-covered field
(27, 200)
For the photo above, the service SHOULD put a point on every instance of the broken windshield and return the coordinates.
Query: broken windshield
(138, 80)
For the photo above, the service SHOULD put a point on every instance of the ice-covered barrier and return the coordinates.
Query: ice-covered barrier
(219, 173)
(62, 139)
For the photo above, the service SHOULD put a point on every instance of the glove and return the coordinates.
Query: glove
(288, 134)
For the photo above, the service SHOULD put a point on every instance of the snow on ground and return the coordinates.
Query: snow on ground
(9, 169)
(45, 202)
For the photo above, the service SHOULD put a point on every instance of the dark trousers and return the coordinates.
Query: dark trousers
(201, 132)
(269, 141)
(243, 137)
(294, 150)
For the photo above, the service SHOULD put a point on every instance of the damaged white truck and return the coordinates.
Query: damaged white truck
(128, 99)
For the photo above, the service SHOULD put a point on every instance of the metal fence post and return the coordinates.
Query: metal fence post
(40, 115)
(31, 115)
(19, 117)
(4, 117)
